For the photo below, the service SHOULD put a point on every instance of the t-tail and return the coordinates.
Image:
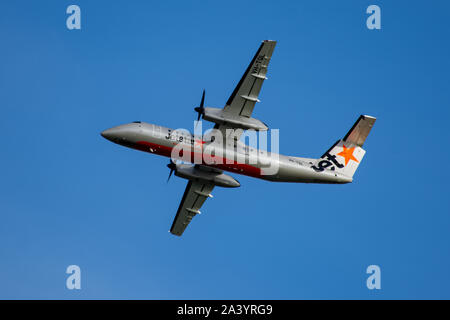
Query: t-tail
(347, 153)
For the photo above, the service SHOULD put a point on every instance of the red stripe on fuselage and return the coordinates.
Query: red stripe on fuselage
(224, 163)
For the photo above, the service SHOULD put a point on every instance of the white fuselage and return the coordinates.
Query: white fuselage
(229, 156)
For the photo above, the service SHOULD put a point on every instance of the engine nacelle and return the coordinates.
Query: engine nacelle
(216, 177)
(218, 116)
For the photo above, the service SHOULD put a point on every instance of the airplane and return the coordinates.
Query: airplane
(227, 153)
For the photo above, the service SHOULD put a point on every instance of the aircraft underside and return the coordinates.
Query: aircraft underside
(202, 161)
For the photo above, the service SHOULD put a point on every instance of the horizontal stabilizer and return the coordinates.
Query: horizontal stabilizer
(360, 130)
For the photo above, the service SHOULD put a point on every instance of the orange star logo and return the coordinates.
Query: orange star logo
(347, 154)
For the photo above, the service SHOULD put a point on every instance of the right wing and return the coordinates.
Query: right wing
(194, 196)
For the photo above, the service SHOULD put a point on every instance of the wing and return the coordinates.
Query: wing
(194, 196)
(245, 95)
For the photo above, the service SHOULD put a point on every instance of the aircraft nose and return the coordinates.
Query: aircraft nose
(110, 134)
(124, 133)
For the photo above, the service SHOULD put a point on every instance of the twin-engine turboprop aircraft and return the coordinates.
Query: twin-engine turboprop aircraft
(221, 150)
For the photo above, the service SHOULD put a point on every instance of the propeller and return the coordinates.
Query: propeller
(201, 109)
(172, 166)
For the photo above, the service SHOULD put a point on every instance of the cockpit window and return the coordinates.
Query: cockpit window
(136, 121)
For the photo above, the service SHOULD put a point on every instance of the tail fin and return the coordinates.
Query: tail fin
(346, 154)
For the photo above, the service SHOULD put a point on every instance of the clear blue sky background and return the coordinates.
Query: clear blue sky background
(68, 196)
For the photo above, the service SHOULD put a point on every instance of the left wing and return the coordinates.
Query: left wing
(244, 97)
(194, 196)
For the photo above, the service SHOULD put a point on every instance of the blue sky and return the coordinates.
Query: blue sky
(68, 196)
